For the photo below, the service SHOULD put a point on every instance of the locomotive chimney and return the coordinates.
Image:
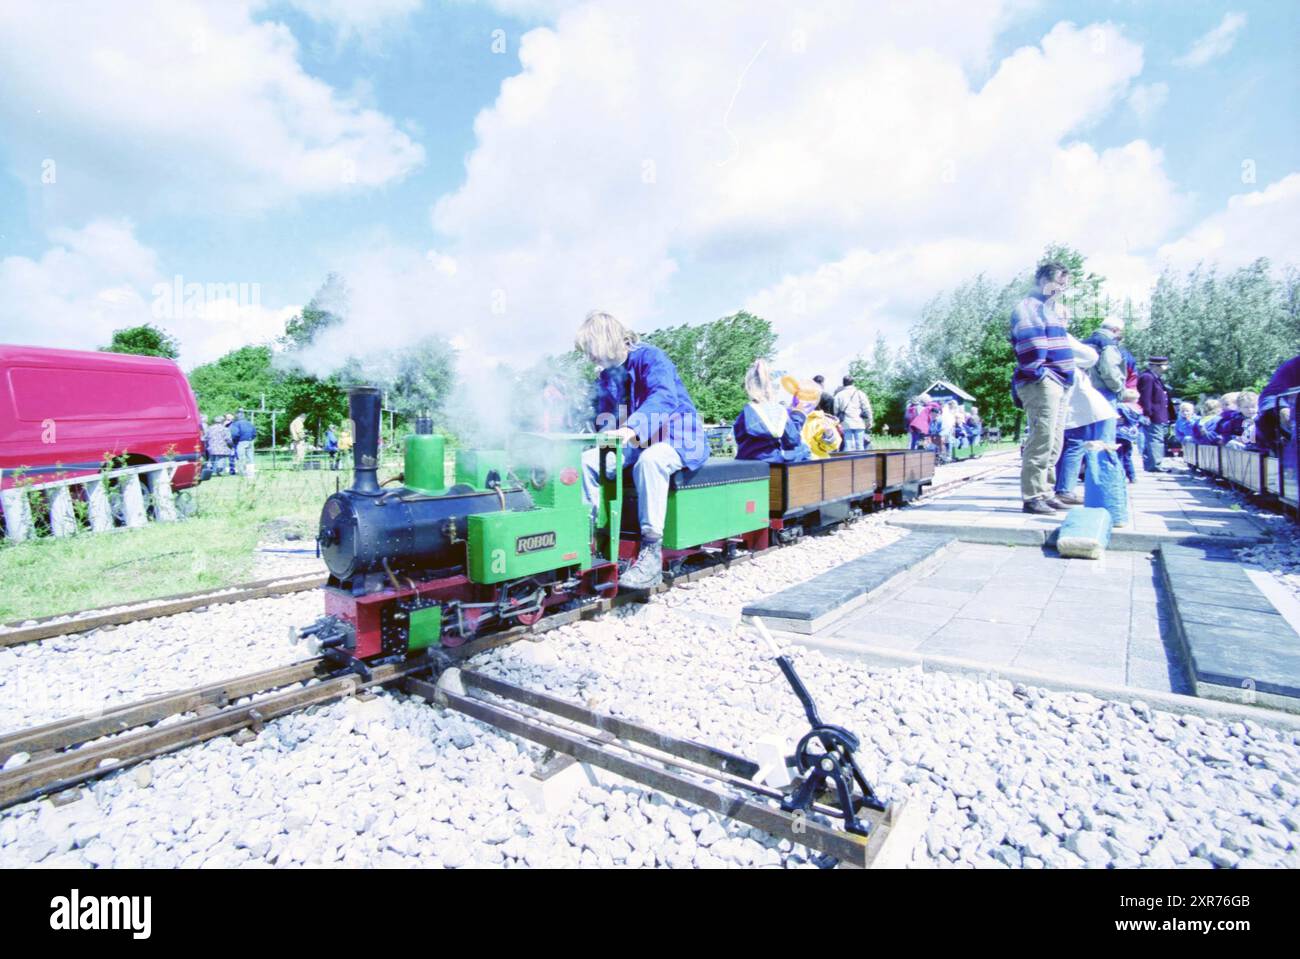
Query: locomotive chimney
(363, 408)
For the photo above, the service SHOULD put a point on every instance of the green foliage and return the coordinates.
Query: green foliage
(1221, 333)
(963, 337)
(144, 340)
(326, 308)
(1084, 299)
(880, 379)
(238, 381)
(712, 359)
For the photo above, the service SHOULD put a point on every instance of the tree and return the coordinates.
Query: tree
(1221, 333)
(238, 381)
(143, 340)
(712, 360)
(880, 379)
(325, 309)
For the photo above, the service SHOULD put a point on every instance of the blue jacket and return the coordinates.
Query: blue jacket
(241, 430)
(755, 441)
(1130, 423)
(331, 441)
(646, 395)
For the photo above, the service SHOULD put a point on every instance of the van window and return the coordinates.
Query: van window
(42, 393)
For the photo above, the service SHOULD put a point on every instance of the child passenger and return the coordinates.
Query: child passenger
(765, 429)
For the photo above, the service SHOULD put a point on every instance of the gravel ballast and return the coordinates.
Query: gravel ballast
(1004, 774)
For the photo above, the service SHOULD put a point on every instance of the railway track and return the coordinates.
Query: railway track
(70, 752)
(62, 624)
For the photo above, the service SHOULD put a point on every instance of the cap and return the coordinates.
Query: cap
(1158, 359)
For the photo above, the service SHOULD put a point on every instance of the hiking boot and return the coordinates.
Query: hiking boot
(1038, 505)
(648, 570)
(1069, 499)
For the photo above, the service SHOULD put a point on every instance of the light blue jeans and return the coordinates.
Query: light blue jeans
(855, 440)
(1067, 467)
(651, 472)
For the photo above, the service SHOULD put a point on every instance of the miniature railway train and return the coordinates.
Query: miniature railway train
(426, 565)
(1269, 477)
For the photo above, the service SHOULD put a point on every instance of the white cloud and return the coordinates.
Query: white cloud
(179, 106)
(1260, 223)
(1147, 99)
(1215, 43)
(850, 135)
(100, 278)
(351, 17)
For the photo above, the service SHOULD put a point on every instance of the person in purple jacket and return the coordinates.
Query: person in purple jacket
(641, 400)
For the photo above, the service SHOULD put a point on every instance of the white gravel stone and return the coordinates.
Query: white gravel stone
(1005, 775)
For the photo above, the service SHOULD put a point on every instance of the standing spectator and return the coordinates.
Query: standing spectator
(1089, 416)
(1109, 372)
(332, 446)
(854, 411)
(974, 430)
(947, 419)
(1158, 408)
(217, 439)
(298, 433)
(230, 428)
(1128, 430)
(1044, 371)
(918, 420)
(243, 433)
(827, 402)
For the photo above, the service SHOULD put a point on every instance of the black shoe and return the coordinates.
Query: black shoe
(1039, 506)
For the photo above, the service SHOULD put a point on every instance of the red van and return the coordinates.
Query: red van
(65, 412)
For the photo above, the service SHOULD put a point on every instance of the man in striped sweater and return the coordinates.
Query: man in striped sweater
(1044, 373)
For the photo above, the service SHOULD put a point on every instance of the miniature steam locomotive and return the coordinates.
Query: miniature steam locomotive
(426, 564)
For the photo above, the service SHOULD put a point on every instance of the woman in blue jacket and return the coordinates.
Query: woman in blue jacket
(765, 430)
(641, 400)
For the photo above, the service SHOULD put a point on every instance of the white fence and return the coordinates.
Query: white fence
(131, 482)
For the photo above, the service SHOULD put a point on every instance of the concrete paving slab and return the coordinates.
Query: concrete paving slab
(1174, 507)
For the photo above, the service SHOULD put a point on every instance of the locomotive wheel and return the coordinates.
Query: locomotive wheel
(527, 619)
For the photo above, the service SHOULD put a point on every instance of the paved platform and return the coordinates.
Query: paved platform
(1240, 646)
(1102, 621)
(1175, 507)
(812, 605)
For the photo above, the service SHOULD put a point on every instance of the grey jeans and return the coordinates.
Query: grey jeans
(651, 472)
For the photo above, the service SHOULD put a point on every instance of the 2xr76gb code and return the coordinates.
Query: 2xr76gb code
(1202, 902)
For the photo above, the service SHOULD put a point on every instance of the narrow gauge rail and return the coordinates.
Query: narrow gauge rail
(70, 752)
(62, 624)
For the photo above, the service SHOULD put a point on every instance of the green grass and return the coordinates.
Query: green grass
(214, 548)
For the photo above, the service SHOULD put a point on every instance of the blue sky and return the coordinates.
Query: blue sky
(867, 158)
